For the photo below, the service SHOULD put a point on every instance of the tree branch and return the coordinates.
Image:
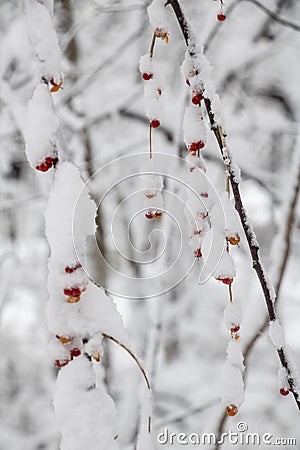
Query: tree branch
(284, 236)
(275, 16)
(217, 129)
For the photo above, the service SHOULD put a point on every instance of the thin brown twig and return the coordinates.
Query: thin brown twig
(135, 358)
(217, 129)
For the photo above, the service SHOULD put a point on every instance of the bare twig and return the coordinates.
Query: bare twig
(284, 237)
(135, 358)
(275, 16)
(217, 129)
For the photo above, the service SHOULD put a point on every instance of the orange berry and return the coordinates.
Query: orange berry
(71, 299)
(234, 240)
(231, 410)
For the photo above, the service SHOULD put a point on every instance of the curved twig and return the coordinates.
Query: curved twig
(135, 358)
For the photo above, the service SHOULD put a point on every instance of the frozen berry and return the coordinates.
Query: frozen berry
(196, 99)
(74, 292)
(71, 269)
(198, 253)
(221, 17)
(155, 123)
(231, 410)
(61, 362)
(63, 339)
(149, 215)
(235, 329)
(75, 352)
(43, 167)
(72, 299)
(147, 76)
(234, 240)
(194, 146)
(225, 280)
(284, 391)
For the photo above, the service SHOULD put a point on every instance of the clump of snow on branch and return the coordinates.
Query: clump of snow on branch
(159, 18)
(276, 333)
(225, 268)
(232, 315)
(194, 129)
(85, 412)
(232, 385)
(41, 127)
(44, 39)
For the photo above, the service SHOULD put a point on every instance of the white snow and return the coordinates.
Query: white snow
(232, 315)
(64, 201)
(235, 355)
(85, 412)
(232, 385)
(225, 268)
(194, 161)
(159, 16)
(194, 129)
(44, 39)
(41, 127)
(276, 333)
(152, 184)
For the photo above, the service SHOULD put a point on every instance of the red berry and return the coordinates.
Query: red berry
(196, 99)
(193, 147)
(43, 167)
(61, 362)
(49, 160)
(71, 269)
(187, 81)
(149, 215)
(75, 352)
(235, 329)
(147, 76)
(155, 123)
(198, 253)
(225, 280)
(221, 17)
(204, 194)
(73, 292)
(284, 391)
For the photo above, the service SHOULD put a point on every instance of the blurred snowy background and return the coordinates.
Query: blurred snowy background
(256, 70)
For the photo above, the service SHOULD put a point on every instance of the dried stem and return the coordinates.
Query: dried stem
(135, 358)
(217, 129)
(107, 336)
